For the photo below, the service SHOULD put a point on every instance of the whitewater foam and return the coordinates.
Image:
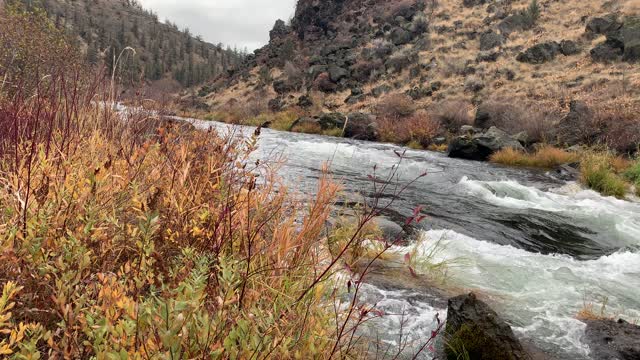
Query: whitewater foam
(540, 294)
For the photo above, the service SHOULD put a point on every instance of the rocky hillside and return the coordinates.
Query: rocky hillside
(165, 56)
(566, 72)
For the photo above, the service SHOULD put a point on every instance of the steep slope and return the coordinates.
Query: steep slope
(165, 55)
(517, 64)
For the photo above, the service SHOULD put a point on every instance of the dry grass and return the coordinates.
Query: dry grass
(597, 173)
(416, 130)
(545, 157)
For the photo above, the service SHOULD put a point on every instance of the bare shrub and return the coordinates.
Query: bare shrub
(395, 106)
(619, 124)
(419, 128)
(295, 76)
(364, 71)
(513, 117)
(452, 114)
(323, 83)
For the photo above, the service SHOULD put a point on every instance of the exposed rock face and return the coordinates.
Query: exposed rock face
(623, 38)
(280, 30)
(473, 326)
(481, 146)
(540, 53)
(613, 340)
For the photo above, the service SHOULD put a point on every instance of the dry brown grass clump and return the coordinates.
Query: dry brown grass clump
(452, 114)
(395, 106)
(417, 130)
(545, 157)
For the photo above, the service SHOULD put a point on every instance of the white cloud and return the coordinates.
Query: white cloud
(242, 23)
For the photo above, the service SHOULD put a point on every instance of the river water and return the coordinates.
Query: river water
(536, 248)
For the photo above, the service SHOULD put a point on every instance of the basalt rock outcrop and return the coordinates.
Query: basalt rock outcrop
(473, 327)
(480, 146)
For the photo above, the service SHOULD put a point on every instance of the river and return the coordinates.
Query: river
(536, 248)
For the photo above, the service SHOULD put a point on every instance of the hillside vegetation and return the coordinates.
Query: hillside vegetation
(558, 72)
(163, 55)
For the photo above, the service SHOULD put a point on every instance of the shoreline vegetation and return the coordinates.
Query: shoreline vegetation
(598, 168)
(143, 239)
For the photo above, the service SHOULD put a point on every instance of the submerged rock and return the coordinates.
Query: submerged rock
(474, 327)
(611, 340)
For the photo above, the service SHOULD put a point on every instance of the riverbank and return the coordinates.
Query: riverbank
(597, 168)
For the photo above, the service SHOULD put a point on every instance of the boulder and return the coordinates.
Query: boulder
(631, 38)
(360, 126)
(472, 3)
(605, 52)
(332, 120)
(490, 40)
(337, 73)
(282, 87)
(569, 47)
(400, 36)
(611, 340)
(540, 53)
(603, 25)
(481, 146)
(380, 90)
(474, 327)
(316, 70)
(389, 229)
(567, 172)
(487, 56)
(418, 92)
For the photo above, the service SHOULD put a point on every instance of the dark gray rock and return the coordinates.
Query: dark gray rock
(569, 47)
(481, 146)
(400, 36)
(472, 3)
(316, 70)
(473, 326)
(490, 40)
(567, 172)
(613, 340)
(418, 92)
(631, 38)
(603, 25)
(280, 30)
(354, 99)
(488, 56)
(337, 73)
(605, 52)
(389, 229)
(332, 120)
(282, 87)
(540, 53)
(380, 90)
(360, 126)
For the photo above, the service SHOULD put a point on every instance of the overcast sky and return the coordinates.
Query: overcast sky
(232, 22)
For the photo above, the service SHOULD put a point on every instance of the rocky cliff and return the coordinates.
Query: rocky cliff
(522, 62)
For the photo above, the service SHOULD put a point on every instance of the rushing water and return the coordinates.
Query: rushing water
(536, 248)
